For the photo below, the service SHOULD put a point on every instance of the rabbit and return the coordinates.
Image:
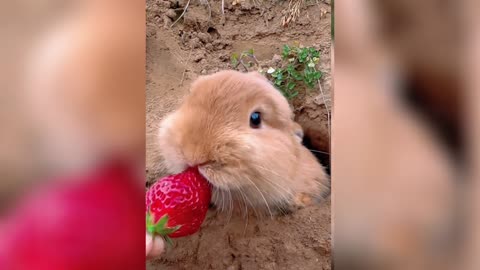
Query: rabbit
(239, 130)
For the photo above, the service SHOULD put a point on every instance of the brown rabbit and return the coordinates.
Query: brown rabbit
(239, 130)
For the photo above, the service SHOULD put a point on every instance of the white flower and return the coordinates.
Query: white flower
(311, 64)
(270, 70)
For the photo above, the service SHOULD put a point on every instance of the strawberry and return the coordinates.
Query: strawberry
(88, 221)
(177, 204)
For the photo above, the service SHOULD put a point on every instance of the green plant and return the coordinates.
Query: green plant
(299, 66)
(241, 59)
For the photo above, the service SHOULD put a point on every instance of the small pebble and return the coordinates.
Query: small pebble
(198, 57)
(276, 58)
(195, 43)
(165, 4)
(171, 13)
(166, 22)
(205, 38)
(224, 57)
(209, 46)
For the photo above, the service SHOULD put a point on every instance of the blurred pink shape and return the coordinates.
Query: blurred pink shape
(92, 224)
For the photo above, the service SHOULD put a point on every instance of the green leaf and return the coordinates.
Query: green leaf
(277, 73)
(290, 69)
(234, 59)
(161, 226)
(296, 75)
(291, 85)
(286, 51)
(162, 222)
(250, 51)
(167, 231)
(168, 240)
(150, 228)
(310, 83)
(302, 56)
(280, 76)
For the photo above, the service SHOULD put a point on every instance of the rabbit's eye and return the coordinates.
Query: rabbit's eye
(255, 120)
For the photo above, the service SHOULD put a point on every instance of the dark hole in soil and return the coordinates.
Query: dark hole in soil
(322, 157)
(213, 32)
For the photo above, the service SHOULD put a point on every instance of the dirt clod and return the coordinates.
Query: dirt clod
(164, 4)
(205, 38)
(166, 22)
(171, 14)
(209, 46)
(198, 56)
(195, 43)
(276, 59)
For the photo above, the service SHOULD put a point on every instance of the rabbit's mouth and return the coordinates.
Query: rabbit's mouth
(220, 179)
(245, 201)
(206, 172)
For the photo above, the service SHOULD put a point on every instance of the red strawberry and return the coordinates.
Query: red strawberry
(88, 221)
(177, 204)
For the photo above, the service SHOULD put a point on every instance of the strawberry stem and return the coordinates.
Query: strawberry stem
(168, 240)
(160, 227)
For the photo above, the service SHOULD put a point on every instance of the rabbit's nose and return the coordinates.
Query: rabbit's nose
(195, 156)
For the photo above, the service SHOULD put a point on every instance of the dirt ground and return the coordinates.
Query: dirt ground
(202, 43)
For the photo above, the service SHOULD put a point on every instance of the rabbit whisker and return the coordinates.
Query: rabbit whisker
(274, 184)
(317, 151)
(261, 194)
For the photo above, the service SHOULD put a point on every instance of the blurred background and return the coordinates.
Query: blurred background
(21, 23)
(404, 128)
(72, 76)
